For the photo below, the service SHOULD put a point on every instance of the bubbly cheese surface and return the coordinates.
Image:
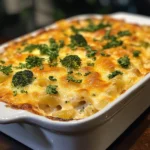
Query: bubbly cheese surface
(113, 54)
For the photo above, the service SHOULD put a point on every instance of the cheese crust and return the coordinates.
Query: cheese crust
(115, 56)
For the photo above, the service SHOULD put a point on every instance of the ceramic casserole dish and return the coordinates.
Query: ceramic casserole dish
(95, 132)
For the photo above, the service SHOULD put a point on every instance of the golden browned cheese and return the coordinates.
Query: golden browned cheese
(102, 76)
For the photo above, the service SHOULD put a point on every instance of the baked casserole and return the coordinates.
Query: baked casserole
(75, 69)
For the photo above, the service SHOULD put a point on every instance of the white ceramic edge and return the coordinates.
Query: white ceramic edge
(25, 116)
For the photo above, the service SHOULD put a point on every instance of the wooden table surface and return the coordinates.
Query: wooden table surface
(136, 137)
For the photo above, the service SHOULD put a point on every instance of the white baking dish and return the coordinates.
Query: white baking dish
(96, 132)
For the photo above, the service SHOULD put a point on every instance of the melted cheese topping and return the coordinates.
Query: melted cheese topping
(98, 87)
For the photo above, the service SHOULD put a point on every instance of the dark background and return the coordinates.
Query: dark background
(18, 17)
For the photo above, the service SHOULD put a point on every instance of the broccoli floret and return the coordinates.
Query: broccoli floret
(71, 62)
(124, 62)
(30, 47)
(124, 33)
(52, 78)
(34, 61)
(114, 74)
(72, 79)
(91, 27)
(112, 44)
(22, 78)
(6, 69)
(136, 53)
(51, 89)
(77, 40)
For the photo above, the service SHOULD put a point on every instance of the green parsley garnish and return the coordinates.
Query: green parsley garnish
(52, 78)
(77, 40)
(112, 44)
(136, 53)
(23, 91)
(91, 27)
(78, 73)
(6, 69)
(104, 54)
(34, 61)
(87, 73)
(15, 93)
(90, 53)
(114, 74)
(145, 44)
(21, 66)
(51, 89)
(61, 43)
(71, 62)
(124, 62)
(124, 33)
(72, 79)
(30, 47)
(52, 50)
(93, 94)
(107, 36)
(2, 62)
(90, 64)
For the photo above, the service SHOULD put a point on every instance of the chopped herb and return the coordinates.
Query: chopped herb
(114, 73)
(124, 33)
(82, 109)
(6, 69)
(52, 50)
(51, 89)
(78, 73)
(90, 52)
(22, 78)
(77, 40)
(87, 73)
(109, 37)
(91, 27)
(71, 62)
(136, 53)
(52, 78)
(70, 72)
(44, 49)
(104, 54)
(53, 45)
(124, 62)
(145, 44)
(21, 66)
(94, 39)
(30, 47)
(93, 94)
(124, 47)
(72, 79)
(53, 64)
(53, 56)
(23, 91)
(61, 43)
(34, 61)
(2, 62)
(14, 93)
(90, 64)
(112, 44)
